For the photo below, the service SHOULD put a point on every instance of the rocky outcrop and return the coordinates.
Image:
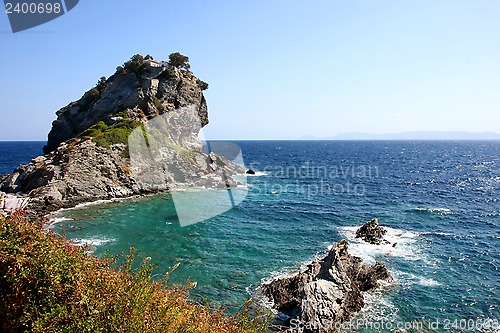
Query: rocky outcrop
(372, 233)
(327, 292)
(136, 132)
(141, 90)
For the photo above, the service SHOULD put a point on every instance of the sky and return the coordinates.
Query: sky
(276, 69)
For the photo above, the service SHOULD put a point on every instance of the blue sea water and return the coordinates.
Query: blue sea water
(14, 153)
(439, 200)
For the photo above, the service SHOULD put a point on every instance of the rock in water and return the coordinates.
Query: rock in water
(327, 292)
(250, 172)
(372, 233)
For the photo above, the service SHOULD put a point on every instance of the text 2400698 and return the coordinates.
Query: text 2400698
(33, 8)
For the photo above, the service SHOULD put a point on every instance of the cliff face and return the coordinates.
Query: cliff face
(141, 90)
(136, 132)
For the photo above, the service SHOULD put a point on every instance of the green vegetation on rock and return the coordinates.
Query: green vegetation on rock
(178, 60)
(136, 64)
(101, 84)
(202, 84)
(105, 135)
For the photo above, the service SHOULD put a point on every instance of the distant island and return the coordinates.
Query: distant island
(416, 135)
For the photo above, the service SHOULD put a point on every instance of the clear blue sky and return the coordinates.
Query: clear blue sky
(276, 69)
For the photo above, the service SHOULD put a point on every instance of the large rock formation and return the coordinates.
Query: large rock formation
(372, 233)
(141, 90)
(136, 132)
(327, 292)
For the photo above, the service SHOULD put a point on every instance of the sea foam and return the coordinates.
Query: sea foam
(92, 241)
(432, 210)
(405, 245)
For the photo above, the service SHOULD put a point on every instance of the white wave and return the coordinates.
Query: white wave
(408, 279)
(104, 201)
(275, 275)
(257, 174)
(378, 308)
(426, 282)
(92, 241)
(54, 220)
(434, 210)
(93, 203)
(404, 245)
(85, 204)
(290, 271)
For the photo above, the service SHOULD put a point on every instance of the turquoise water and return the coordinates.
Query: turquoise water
(440, 201)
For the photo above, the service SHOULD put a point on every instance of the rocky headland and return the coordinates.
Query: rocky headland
(135, 132)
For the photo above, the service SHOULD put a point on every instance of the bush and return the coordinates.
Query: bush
(167, 74)
(49, 285)
(178, 60)
(157, 103)
(136, 65)
(105, 136)
(120, 70)
(202, 84)
(101, 84)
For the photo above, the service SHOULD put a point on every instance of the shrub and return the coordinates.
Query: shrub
(178, 60)
(136, 65)
(101, 84)
(105, 136)
(202, 84)
(167, 74)
(120, 70)
(157, 103)
(49, 285)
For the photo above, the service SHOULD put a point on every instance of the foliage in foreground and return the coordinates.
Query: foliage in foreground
(49, 285)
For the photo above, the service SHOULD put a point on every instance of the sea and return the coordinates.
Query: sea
(439, 200)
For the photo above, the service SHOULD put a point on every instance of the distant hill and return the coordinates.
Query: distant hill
(417, 135)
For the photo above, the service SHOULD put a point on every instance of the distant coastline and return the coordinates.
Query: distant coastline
(415, 135)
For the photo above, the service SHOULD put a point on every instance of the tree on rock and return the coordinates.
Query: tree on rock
(178, 60)
(101, 84)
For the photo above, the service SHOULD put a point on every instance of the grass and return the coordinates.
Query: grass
(105, 135)
(50, 285)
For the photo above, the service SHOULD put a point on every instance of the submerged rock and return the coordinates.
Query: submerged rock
(327, 292)
(372, 233)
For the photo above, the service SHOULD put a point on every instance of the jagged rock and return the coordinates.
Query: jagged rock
(372, 233)
(327, 291)
(368, 277)
(145, 94)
